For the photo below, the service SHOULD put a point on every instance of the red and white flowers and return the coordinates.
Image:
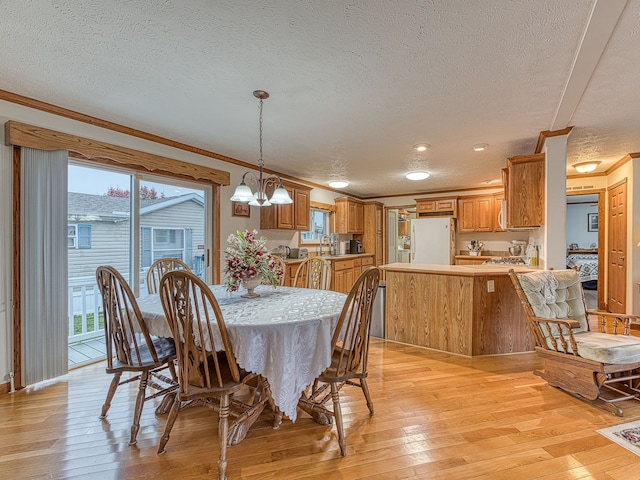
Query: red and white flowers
(246, 257)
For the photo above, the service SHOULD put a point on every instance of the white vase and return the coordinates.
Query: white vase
(250, 284)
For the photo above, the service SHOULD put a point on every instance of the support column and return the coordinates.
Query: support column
(554, 241)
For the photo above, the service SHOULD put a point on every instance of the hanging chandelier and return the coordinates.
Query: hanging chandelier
(244, 194)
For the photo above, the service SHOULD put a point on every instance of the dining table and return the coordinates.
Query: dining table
(283, 335)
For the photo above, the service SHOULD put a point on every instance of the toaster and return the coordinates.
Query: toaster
(299, 253)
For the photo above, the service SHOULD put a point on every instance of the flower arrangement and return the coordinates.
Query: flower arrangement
(246, 258)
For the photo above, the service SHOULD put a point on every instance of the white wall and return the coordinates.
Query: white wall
(577, 231)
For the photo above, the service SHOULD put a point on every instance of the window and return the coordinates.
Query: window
(165, 243)
(319, 226)
(79, 236)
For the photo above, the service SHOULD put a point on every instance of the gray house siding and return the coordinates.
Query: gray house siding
(109, 246)
(187, 215)
(110, 237)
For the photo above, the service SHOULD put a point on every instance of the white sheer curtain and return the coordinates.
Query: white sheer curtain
(44, 264)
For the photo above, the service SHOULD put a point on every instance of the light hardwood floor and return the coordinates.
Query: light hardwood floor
(437, 416)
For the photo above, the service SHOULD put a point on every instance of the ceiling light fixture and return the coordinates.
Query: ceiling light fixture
(417, 175)
(586, 167)
(244, 194)
(421, 147)
(480, 147)
(338, 184)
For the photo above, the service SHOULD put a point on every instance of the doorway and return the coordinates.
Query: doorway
(398, 233)
(585, 242)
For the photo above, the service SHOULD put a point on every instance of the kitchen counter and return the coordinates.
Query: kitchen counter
(458, 270)
(346, 256)
(467, 310)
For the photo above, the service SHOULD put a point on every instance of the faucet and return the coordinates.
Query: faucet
(323, 239)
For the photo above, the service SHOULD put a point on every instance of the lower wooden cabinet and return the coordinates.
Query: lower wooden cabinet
(345, 272)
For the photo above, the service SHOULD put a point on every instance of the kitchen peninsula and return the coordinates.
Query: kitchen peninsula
(467, 310)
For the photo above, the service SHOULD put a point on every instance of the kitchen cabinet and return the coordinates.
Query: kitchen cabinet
(372, 239)
(475, 214)
(524, 191)
(349, 215)
(344, 272)
(343, 275)
(436, 207)
(294, 216)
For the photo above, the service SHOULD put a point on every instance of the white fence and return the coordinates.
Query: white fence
(84, 300)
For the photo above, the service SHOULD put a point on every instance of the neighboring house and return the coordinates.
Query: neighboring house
(98, 232)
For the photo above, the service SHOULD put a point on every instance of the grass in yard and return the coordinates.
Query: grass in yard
(77, 323)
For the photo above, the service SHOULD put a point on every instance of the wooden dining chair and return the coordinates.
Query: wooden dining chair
(130, 347)
(314, 272)
(207, 367)
(159, 268)
(349, 354)
(283, 267)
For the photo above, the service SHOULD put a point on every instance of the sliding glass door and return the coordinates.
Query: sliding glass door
(127, 221)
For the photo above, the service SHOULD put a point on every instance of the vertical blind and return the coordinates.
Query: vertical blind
(44, 264)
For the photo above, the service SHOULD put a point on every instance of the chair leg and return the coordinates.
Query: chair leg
(115, 381)
(223, 432)
(277, 413)
(337, 413)
(172, 370)
(173, 414)
(367, 395)
(137, 412)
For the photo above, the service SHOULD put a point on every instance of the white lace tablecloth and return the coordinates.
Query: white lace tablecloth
(284, 335)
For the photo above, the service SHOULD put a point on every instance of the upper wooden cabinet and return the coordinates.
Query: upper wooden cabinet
(349, 215)
(475, 214)
(372, 240)
(294, 216)
(436, 207)
(524, 191)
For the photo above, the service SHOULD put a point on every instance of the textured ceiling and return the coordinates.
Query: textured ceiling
(353, 84)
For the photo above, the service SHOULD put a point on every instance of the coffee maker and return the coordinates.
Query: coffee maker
(355, 246)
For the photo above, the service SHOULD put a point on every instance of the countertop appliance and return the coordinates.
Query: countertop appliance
(299, 253)
(433, 240)
(355, 246)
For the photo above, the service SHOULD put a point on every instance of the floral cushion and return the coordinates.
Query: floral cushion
(555, 294)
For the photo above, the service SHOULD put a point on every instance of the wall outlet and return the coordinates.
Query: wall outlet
(491, 287)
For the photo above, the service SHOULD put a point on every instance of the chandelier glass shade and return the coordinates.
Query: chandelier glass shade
(259, 198)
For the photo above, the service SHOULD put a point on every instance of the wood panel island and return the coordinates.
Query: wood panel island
(467, 310)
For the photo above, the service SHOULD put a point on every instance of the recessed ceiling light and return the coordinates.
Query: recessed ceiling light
(417, 175)
(338, 184)
(421, 147)
(586, 167)
(480, 147)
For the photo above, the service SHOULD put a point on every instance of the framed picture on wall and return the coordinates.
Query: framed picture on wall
(592, 222)
(240, 209)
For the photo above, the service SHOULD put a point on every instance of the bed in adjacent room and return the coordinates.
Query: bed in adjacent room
(587, 266)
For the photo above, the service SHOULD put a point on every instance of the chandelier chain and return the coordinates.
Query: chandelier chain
(261, 161)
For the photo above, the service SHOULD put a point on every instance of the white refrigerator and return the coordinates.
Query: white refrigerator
(433, 240)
